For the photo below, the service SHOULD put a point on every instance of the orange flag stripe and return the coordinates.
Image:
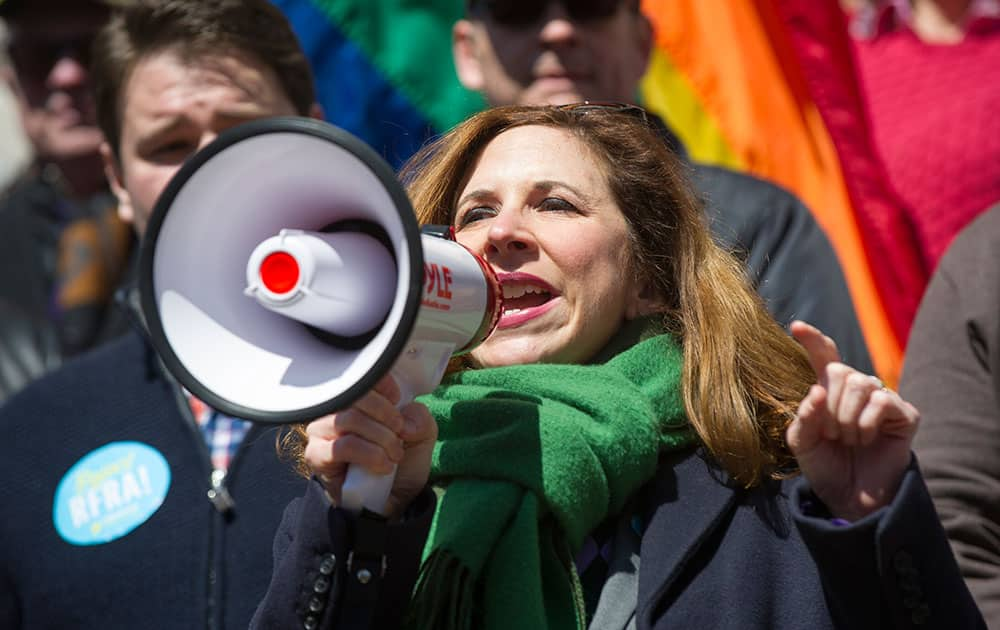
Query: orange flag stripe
(666, 91)
(739, 69)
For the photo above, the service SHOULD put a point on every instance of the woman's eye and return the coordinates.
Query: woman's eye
(475, 214)
(556, 204)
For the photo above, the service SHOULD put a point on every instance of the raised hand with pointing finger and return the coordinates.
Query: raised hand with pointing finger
(851, 436)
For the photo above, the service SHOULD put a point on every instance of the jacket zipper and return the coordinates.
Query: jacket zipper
(218, 493)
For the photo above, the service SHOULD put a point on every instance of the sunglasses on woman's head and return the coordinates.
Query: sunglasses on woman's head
(584, 107)
(528, 12)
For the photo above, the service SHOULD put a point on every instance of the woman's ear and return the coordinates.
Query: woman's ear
(643, 300)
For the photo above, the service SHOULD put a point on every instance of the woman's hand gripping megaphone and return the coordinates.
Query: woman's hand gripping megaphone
(301, 275)
(392, 443)
(340, 286)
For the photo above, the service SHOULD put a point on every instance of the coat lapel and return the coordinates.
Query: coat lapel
(684, 505)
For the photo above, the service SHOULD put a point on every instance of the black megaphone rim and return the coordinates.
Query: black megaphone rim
(147, 253)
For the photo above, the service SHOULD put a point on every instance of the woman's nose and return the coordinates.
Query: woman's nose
(508, 233)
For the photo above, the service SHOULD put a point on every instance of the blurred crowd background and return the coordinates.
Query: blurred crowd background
(15, 150)
(881, 116)
(886, 136)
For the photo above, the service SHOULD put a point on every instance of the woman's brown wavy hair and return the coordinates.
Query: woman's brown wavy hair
(743, 375)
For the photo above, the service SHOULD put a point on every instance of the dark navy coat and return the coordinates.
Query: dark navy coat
(187, 564)
(713, 556)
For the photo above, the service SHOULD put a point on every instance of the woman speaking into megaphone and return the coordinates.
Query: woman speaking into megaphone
(638, 444)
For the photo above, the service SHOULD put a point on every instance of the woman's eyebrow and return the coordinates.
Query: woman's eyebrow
(549, 184)
(479, 193)
(545, 185)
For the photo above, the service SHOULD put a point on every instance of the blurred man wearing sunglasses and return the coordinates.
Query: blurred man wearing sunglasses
(62, 247)
(534, 52)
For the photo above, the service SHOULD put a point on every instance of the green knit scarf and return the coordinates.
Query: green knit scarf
(533, 458)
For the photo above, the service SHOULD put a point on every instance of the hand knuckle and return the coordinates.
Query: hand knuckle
(394, 422)
(342, 448)
(346, 420)
(320, 425)
(319, 457)
(881, 401)
(837, 370)
(858, 379)
(847, 420)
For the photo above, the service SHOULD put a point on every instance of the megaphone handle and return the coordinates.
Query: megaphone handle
(417, 371)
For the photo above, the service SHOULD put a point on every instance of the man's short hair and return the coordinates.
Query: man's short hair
(194, 29)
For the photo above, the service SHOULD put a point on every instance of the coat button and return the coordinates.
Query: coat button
(910, 575)
(311, 623)
(328, 564)
(316, 604)
(902, 560)
(364, 576)
(920, 614)
(321, 585)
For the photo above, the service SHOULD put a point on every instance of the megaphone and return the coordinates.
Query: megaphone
(282, 274)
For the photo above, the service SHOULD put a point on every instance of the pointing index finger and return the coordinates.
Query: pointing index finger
(821, 349)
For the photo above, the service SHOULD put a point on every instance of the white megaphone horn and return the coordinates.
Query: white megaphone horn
(282, 274)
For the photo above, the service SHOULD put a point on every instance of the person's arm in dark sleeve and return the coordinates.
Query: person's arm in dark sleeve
(28, 349)
(892, 569)
(335, 570)
(951, 373)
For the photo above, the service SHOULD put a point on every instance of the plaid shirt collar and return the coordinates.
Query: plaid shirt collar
(223, 434)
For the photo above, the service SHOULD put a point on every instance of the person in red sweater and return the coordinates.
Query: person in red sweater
(931, 84)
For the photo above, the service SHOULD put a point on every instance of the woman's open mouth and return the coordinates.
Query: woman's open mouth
(525, 297)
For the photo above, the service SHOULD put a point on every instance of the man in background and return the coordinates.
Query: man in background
(532, 52)
(62, 248)
(128, 503)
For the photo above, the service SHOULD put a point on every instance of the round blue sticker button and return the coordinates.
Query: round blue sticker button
(110, 492)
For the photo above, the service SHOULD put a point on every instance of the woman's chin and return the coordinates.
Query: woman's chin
(511, 351)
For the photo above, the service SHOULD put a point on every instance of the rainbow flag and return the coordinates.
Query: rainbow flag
(770, 87)
(383, 68)
(763, 86)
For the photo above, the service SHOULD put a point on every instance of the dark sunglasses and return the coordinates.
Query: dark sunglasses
(528, 12)
(585, 107)
(37, 57)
